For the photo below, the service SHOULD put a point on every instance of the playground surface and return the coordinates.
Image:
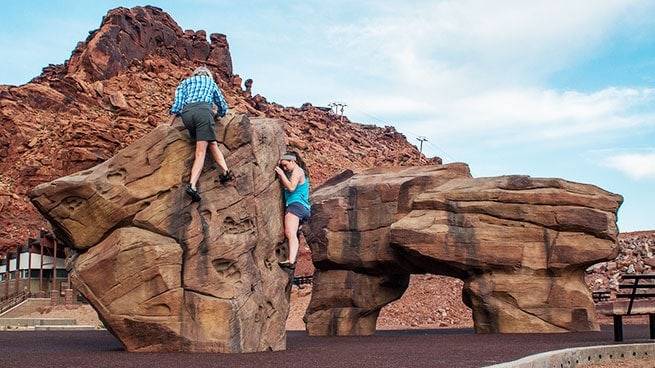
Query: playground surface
(389, 348)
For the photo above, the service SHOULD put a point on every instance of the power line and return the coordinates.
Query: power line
(421, 139)
(434, 147)
(429, 144)
(338, 109)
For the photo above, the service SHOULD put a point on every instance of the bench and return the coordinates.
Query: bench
(632, 299)
(302, 280)
(601, 296)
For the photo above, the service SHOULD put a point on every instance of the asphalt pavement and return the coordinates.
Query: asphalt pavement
(451, 348)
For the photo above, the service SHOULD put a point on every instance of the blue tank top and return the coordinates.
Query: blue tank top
(300, 195)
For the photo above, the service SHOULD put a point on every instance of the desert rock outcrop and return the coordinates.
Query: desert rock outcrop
(167, 274)
(520, 244)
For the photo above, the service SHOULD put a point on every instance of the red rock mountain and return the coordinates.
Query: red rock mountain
(119, 83)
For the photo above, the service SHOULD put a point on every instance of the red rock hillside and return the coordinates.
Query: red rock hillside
(119, 83)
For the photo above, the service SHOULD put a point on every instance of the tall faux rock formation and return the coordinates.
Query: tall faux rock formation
(168, 274)
(520, 244)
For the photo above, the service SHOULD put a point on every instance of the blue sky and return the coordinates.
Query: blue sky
(550, 88)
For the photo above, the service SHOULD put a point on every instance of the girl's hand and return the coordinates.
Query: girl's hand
(279, 171)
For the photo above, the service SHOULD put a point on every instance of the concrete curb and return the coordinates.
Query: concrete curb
(567, 358)
(65, 328)
(37, 321)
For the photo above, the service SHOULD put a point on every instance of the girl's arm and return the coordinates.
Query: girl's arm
(290, 183)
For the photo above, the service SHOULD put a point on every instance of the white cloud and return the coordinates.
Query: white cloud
(529, 114)
(492, 42)
(478, 67)
(635, 165)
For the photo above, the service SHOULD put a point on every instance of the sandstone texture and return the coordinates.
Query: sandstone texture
(520, 245)
(168, 274)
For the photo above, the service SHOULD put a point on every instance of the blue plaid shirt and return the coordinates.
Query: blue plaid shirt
(198, 88)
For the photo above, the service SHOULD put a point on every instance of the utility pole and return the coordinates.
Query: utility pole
(338, 109)
(421, 139)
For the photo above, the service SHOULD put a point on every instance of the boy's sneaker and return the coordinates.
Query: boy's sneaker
(225, 178)
(195, 197)
(287, 264)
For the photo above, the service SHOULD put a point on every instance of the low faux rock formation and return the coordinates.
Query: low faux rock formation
(167, 274)
(520, 244)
